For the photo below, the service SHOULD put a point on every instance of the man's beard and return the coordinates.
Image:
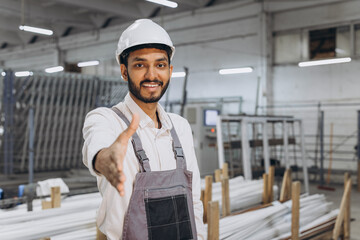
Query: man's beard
(136, 90)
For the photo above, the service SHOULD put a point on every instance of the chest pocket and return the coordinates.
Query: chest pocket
(167, 213)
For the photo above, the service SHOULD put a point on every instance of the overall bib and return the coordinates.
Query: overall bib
(161, 206)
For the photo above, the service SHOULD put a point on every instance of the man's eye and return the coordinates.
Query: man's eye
(161, 65)
(139, 65)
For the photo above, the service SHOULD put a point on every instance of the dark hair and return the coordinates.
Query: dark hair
(123, 57)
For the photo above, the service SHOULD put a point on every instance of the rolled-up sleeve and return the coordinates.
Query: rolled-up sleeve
(97, 135)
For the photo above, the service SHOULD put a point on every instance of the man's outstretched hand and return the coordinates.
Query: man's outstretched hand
(109, 161)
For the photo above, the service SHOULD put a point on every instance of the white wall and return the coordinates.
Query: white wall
(297, 91)
(204, 61)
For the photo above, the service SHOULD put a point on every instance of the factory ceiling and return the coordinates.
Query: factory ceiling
(67, 17)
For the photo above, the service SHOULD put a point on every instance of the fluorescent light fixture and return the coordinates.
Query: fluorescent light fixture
(324, 62)
(166, 3)
(36, 30)
(88, 63)
(23, 74)
(3, 74)
(236, 70)
(54, 69)
(178, 74)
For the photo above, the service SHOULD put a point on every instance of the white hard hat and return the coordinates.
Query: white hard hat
(143, 31)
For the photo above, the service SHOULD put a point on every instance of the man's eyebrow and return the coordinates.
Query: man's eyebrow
(161, 59)
(139, 59)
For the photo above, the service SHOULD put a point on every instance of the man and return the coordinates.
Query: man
(145, 169)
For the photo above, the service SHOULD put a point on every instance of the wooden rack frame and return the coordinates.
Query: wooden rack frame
(55, 199)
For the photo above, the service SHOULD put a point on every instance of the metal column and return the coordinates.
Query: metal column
(322, 148)
(8, 102)
(303, 158)
(31, 145)
(245, 150)
(266, 147)
(358, 153)
(286, 144)
(220, 143)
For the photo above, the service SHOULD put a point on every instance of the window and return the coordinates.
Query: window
(322, 43)
(330, 42)
(305, 44)
(287, 48)
(343, 48)
(357, 39)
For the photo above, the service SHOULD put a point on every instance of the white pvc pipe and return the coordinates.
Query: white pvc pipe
(74, 220)
(274, 222)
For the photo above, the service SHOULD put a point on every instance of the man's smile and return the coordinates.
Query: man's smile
(150, 85)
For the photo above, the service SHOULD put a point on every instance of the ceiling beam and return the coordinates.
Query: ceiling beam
(9, 23)
(147, 8)
(25, 36)
(37, 12)
(99, 19)
(110, 6)
(192, 3)
(10, 37)
(11, 33)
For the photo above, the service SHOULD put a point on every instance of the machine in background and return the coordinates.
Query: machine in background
(202, 120)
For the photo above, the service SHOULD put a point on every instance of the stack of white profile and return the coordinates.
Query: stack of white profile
(274, 222)
(75, 219)
(242, 193)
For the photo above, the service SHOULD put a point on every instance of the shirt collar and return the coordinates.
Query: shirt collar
(144, 118)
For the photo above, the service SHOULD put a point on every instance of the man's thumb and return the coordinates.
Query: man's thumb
(126, 135)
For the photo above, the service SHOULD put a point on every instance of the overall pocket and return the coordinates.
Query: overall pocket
(167, 213)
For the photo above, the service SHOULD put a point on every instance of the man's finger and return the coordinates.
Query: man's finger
(126, 135)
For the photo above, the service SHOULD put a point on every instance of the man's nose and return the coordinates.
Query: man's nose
(151, 73)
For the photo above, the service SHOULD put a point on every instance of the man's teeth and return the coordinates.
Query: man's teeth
(150, 85)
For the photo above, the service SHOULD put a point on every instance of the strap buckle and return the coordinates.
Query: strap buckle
(178, 152)
(141, 155)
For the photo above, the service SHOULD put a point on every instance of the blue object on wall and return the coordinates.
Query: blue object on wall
(21, 190)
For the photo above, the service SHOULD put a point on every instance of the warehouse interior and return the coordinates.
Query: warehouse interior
(267, 86)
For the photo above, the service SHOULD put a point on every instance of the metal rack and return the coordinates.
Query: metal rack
(237, 137)
(60, 103)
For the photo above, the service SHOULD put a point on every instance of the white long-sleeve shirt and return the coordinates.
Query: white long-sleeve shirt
(102, 126)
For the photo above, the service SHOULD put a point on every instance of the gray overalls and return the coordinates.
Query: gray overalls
(161, 205)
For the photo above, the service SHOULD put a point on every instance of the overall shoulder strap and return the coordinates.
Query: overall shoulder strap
(137, 145)
(177, 148)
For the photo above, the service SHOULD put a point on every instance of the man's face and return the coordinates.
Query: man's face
(148, 74)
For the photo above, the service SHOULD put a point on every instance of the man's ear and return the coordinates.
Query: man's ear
(124, 72)
(171, 70)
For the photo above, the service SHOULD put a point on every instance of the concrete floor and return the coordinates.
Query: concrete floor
(335, 197)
